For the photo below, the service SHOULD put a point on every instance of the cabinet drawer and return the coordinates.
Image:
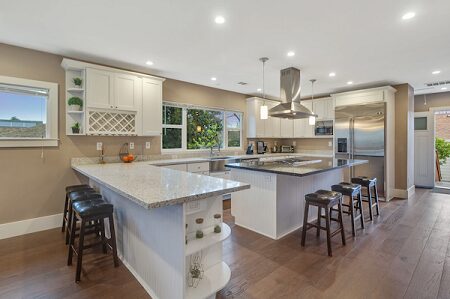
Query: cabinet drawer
(198, 167)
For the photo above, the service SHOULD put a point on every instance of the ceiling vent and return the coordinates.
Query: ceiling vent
(242, 83)
(437, 83)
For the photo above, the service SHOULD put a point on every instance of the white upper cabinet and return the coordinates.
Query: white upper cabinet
(272, 124)
(127, 89)
(324, 108)
(109, 90)
(151, 107)
(261, 128)
(99, 89)
(302, 128)
(287, 128)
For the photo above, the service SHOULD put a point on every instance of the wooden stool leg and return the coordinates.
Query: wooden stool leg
(80, 250)
(327, 219)
(376, 199)
(319, 216)
(305, 223)
(72, 229)
(361, 209)
(113, 240)
(69, 221)
(341, 222)
(352, 214)
(369, 197)
(65, 215)
(102, 235)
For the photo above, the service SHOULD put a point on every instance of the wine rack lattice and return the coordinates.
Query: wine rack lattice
(111, 123)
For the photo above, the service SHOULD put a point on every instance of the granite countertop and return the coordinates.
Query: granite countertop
(310, 166)
(153, 187)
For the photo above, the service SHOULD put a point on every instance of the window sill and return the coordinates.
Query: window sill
(31, 142)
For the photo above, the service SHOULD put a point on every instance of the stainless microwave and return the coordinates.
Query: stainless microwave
(324, 128)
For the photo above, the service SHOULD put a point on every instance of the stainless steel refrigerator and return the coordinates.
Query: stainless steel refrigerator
(359, 134)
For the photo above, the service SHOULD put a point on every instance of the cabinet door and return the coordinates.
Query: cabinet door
(151, 107)
(255, 125)
(287, 128)
(272, 124)
(329, 107)
(99, 89)
(126, 92)
(324, 108)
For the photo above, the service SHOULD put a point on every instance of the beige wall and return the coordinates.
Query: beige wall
(33, 187)
(404, 136)
(433, 100)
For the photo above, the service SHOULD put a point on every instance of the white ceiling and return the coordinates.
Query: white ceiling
(364, 41)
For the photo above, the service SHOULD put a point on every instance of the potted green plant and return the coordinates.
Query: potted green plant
(75, 104)
(77, 82)
(76, 128)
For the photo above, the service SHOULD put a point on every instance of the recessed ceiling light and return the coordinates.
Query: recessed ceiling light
(349, 82)
(219, 20)
(148, 62)
(444, 88)
(332, 74)
(436, 72)
(291, 53)
(409, 15)
(213, 78)
(259, 90)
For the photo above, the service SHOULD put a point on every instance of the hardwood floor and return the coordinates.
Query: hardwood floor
(403, 254)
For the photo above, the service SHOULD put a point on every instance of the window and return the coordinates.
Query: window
(420, 123)
(172, 127)
(29, 112)
(197, 128)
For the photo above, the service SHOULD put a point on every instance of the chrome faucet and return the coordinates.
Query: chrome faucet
(212, 154)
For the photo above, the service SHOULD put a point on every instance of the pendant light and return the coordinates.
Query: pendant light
(424, 99)
(312, 119)
(264, 110)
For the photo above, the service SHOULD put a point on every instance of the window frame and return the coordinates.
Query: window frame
(183, 126)
(51, 138)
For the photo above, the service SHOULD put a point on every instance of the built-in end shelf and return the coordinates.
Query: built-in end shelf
(75, 112)
(75, 89)
(214, 279)
(208, 240)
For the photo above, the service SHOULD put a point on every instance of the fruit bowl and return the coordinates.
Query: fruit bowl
(124, 155)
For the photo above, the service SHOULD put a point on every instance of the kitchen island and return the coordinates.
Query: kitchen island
(274, 205)
(155, 211)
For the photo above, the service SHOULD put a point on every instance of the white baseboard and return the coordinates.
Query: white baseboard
(28, 226)
(405, 193)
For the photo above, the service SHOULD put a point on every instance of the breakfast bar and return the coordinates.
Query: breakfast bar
(155, 213)
(274, 205)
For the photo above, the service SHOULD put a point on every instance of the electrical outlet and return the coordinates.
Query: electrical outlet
(147, 145)
(294, 143)
(99, 146)
(131, 145)
(330, 143)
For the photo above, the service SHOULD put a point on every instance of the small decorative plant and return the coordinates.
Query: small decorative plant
(76, 128)
(77, 82)
(75, 103)
(443, 149)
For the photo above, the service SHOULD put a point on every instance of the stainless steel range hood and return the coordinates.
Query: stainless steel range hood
(290, 106)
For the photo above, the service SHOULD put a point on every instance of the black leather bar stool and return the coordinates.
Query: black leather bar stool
(326, 200)
(352, 191)
(91, 214)
(370, 184)
(76, 196)
(70, 189)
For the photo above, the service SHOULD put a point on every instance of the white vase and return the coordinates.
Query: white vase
(74, 108)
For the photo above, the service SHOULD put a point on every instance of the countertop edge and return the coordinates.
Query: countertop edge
(292, 173)
(169, 202)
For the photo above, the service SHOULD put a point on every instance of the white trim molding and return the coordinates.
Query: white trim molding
(402, 193)
(28, 226)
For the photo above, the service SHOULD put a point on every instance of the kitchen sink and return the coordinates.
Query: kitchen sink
(217, 164)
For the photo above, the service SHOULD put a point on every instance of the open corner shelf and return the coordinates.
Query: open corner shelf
(208, 240)
(75, 112)
(75, 89)
(214, 279)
